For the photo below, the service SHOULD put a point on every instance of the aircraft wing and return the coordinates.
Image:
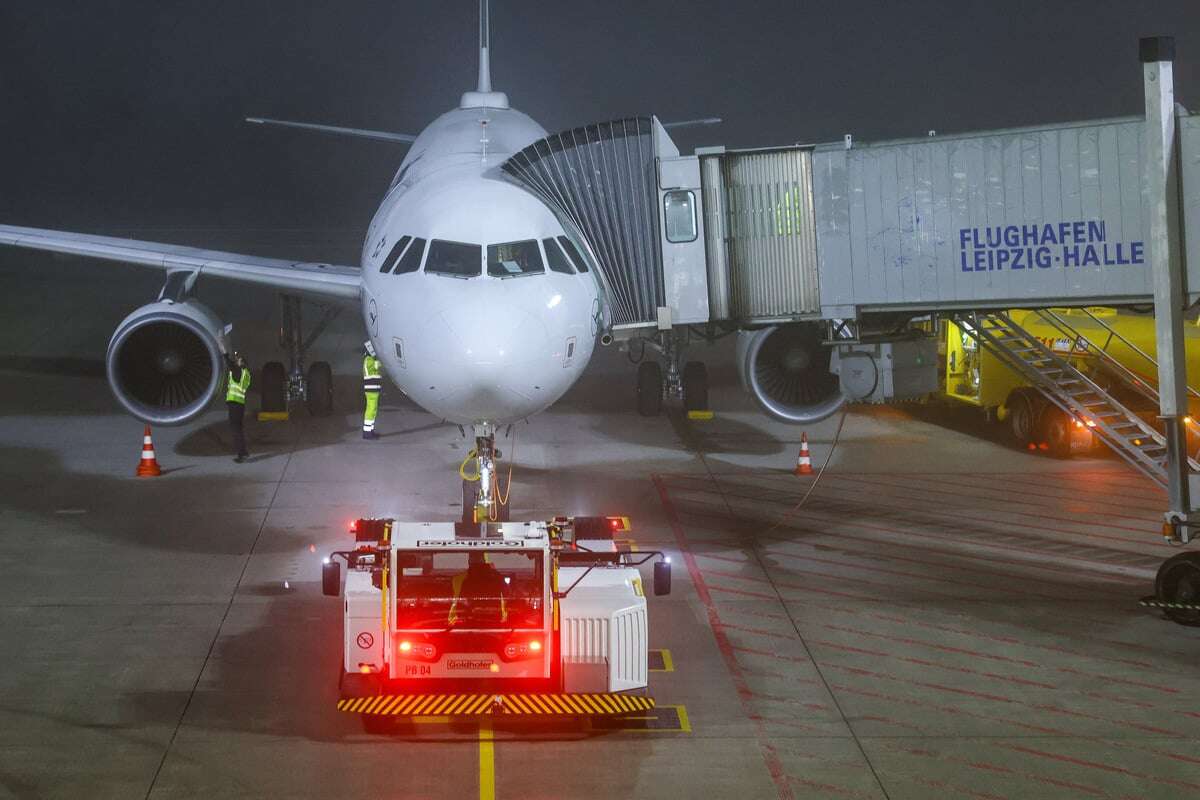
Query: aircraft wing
(326, 280)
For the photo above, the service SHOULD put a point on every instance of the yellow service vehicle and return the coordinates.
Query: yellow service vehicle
(978, 377)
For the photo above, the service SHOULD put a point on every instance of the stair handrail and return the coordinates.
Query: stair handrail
(1114, 332)
(1142, 386)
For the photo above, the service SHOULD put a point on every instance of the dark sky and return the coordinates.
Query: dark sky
(128, 114)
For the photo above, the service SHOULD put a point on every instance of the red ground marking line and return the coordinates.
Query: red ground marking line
(936, 665)
(1072, 493)
(737, 575)
(700, 587)
(957, 791)
(857, 581)
(951, 710)
(798, 588)
(832, 516)
(932, 646)
(1003, 770)
(913, 575)
(960, 515)
(794, 701)
(889, 721)
(791, 723)
(744, 593)
(760, 632)
(840, 791)
(1098, 766)
(1003, 639)
(710, 556)
(1113, 481)
(1112, 679)
(954, 554)
(999, 504)
(1153, 751)
(1111, 698)
(768, 653)
(1002, 699)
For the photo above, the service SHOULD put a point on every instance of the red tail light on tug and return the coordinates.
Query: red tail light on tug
(423, 650)
(515, 651)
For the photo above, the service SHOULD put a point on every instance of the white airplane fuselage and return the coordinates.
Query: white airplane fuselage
(478, 348)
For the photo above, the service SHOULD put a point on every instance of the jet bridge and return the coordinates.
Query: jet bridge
(842, 244)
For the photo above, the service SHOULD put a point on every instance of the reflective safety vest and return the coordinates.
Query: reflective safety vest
(456, 584)
(372, 377)
(236, 393)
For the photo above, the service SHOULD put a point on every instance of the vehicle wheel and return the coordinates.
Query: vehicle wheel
(378, 724)
(649, 389)
(1055, 430)
(695, 386)
(1021, 416)
(320, 389)
(470, 493)
(274, 387)
(1178, 581)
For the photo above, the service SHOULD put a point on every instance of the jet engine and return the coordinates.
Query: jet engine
(786, 369)
(165, 361)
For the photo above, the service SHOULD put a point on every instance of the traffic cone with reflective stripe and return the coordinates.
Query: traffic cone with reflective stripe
(803, 461)
(148, 467)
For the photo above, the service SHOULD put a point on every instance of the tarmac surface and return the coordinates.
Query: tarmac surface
(944, 616)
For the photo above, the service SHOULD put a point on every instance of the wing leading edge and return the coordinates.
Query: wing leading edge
(326, 280)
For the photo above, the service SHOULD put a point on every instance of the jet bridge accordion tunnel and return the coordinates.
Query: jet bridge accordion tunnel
(820, 255)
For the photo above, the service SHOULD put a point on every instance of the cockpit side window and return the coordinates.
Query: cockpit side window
(394, 254)
(511, 259)
(456, 259)
(411, 261)
(556, 259)
(576, 257)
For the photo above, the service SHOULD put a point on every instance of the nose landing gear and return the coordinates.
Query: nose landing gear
(683, 381)
(482, 499)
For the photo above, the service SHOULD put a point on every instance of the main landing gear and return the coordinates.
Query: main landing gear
(483, 499)
(315, 387)
(683, 381)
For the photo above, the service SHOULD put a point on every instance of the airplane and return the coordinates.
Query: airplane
(483, 306)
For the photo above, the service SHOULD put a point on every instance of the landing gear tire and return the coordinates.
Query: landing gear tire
(695, 386)
(320, 389)
(649, 389)
(1178, 581)
(274, 387)
(1022, 418)
(1055, 431)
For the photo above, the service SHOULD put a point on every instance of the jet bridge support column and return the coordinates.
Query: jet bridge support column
(1157, 55)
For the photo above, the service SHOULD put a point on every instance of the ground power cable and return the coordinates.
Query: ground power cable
(791, 512)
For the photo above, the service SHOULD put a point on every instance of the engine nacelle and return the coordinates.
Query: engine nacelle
(786, 369)
(165, 361)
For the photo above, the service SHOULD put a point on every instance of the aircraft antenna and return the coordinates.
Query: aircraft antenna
(485, 67)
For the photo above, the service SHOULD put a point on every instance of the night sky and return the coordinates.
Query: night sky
(128, 114)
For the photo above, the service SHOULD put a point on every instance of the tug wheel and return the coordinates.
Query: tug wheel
(1021, 417)
(1178, 581)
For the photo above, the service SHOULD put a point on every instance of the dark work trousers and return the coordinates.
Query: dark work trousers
(237, 414)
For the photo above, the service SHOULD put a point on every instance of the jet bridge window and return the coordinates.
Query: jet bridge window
(394, 254)
(456, 259)
(514, 258)
(411, 262)
(556, 259)
(679, 214)
(571, 250)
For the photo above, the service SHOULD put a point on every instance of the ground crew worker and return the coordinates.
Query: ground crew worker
(372, 386)
(238, 381)
(482, 585)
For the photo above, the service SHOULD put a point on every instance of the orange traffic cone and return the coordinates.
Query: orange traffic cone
(148, 467)
(803, 461)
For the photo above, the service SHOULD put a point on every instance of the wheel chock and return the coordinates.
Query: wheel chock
(703, 416)
(272, 416)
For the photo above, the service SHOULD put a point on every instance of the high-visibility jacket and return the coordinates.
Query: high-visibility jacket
(236, 393)
(372, 377)
(456, 584)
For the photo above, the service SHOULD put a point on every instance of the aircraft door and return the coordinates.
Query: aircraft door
(681, 234)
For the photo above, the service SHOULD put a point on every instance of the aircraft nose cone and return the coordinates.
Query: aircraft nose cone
(505, 337)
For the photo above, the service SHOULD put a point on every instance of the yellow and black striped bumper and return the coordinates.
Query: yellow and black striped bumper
(470, 705)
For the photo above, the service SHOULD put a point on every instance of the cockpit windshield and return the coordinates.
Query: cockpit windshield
(459, 589)
(458, 259)
(511, 259)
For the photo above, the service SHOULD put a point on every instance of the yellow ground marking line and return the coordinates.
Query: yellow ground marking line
(668, 662)
(487, 761)
(272, 416)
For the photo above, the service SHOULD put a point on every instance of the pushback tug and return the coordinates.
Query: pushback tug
(515, 618)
